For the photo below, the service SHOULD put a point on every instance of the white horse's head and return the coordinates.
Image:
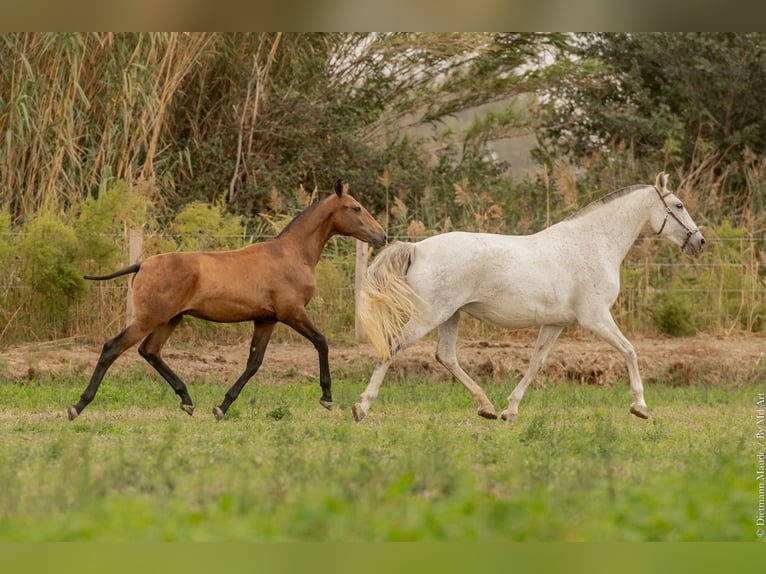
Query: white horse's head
(670, 219)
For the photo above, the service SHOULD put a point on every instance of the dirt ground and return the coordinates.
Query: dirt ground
(577, 357)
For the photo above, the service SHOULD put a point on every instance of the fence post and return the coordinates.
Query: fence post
(360, 267)
(135, 251)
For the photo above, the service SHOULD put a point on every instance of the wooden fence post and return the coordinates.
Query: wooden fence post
(135, 252)
(360, 266)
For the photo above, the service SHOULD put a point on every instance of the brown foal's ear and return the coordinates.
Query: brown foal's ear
(341, 187)
(661, 182)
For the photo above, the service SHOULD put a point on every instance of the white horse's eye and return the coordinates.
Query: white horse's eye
(680, 205)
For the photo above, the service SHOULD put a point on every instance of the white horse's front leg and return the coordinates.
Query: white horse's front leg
(359, 410)
(545, 340)
(608, 330)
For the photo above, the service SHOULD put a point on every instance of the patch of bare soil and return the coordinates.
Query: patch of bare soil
(583, 359)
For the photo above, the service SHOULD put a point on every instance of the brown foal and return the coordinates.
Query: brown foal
(265, 283)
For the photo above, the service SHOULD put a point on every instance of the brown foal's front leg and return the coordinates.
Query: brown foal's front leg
(303, 325)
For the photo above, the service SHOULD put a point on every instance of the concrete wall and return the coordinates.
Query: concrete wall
(514, 149)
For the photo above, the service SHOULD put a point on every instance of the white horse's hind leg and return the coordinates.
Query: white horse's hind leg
(360, 409)
(446, 354)
(545, 340)
(608, 330)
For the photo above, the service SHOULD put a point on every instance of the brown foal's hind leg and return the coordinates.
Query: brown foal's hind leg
(150, 350)
(303, 325)
(261, 337)
(112, 349)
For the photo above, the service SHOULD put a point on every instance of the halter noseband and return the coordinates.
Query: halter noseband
(669, 213)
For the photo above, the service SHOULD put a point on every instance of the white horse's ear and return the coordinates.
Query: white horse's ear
(661, 182)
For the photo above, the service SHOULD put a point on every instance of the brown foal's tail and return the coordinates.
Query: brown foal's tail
(386, 300)
(127, 271)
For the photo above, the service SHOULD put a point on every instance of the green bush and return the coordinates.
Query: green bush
(719, 291)
(8, 270)
(7, 246)
(201, 226)
(674, 316)
(50, 256)
(101, 223)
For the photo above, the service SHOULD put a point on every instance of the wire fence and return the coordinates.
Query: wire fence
(662, 291)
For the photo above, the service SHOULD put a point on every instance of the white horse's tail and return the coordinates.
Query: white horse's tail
(386, 300)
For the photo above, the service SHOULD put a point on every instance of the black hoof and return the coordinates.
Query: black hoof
(188, 409)
(326, 404)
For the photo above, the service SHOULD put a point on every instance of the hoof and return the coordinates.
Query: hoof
(640, 411)
(188, 409)
(326, 404)
(358, 412)
(71, 412)
(218, 413)
(509, 416)
(487, 413)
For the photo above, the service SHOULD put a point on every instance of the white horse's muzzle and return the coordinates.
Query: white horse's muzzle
(694, 243)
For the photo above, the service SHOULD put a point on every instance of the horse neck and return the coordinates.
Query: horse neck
(616, 225)
(310, 231)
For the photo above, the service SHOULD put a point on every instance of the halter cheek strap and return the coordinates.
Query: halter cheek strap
(670, 213)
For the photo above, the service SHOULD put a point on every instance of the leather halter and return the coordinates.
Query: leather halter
(669, 213)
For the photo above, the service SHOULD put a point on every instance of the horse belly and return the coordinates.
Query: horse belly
(518, 312)
(227, 312)
(231, 306)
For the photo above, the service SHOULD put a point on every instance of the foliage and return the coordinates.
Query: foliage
(8, 270)
(673, 316)
(721, 291)
(207, 116)
(672, 99)
(50, 254)
(197, 136)
(6, 244)
(204, 227)
(102, 220)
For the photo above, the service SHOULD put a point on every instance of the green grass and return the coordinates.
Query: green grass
(421, 466)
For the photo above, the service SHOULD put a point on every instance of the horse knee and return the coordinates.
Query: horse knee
(448, 358)
(145, 353)
(151, 355)
(253, 365)
(111, 350)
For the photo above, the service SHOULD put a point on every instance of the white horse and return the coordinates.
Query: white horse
(568, 272)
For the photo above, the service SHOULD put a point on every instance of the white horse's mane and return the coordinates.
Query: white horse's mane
(596, 203)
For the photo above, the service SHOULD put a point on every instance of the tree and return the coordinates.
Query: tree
(697, 100)
(209, 116)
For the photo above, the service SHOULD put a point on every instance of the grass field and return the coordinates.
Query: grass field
(422, 466)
